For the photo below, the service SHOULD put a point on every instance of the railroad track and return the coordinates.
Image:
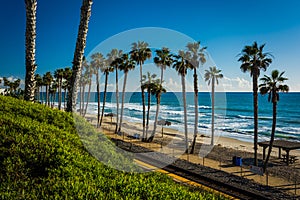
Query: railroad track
(234, 188)
(216, 185)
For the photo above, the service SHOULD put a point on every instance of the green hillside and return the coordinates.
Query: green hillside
(42, 157)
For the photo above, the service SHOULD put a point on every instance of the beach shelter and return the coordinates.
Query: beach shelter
(111, 115)
(163, 123)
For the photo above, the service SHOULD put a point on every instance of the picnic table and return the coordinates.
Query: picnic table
(292, 159)
(285, 145)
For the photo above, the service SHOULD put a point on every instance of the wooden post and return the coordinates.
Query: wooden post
(287, 156)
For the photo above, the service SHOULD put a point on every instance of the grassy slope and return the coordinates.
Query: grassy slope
(42, 157)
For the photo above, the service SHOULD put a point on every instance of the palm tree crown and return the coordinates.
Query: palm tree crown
(163, 58)
(213, 72)
(182, 62)
(140, 52)
(252, 57)
(272, 85)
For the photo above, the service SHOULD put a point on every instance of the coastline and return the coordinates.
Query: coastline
(170, 134)
(219, 157)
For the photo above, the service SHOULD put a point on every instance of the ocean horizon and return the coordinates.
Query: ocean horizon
(233, 113)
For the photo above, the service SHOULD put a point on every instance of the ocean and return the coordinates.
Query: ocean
(233, 113)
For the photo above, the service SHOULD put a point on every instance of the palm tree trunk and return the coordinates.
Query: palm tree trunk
(255, 104)
(30, 82)
(88, 97)
(161, 75)
(196, 110)
(117, 100)
(156, 119)
(272, 133)
(53, 99)
(185, 113)
(83, 100)
(104, 97)
(143, 101)
(81, 97)
(65, 92)
(213, 112)
(47, 95)
(123, 99)
(98, 98)
(42, 96)
(148, 112)
(78, 55)
(60, 94)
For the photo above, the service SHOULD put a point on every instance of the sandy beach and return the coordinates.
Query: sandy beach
(218, 157)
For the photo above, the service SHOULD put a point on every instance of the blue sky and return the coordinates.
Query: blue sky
(224, 26)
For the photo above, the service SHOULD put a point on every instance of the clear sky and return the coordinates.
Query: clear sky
(224, 26)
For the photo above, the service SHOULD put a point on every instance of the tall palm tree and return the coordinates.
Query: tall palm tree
(198, 57)
(272, 86)
(78, 54)
(126, 65)
(156, 89)
(253, 60)
(47, 79)
(212, 76)
(147, 84)
(59, 74)
(140, 53)
(113, 59)
(98, 62)
(31, 6)
(163, 59)
(105, 70)
(181, 65)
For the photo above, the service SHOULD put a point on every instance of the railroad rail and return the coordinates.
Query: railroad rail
(234, 186)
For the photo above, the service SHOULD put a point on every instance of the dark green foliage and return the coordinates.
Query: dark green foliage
(42, 157)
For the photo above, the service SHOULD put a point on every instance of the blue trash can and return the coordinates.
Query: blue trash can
(238, 161)
(234, 160)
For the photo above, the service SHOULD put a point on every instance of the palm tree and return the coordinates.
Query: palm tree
(47, 79)
(156, 89)
(198, 56)
(59, 74)
(212, 76)
(126, 64)
(163, 60)
(253, 60)
(140, 53)
(114, 62)
(147, 85)
(13, 86)
(31, 6)
(98, 62)
(78, 54)
(272, 86)
(181, 65)
(39, 84)
(105, 70)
